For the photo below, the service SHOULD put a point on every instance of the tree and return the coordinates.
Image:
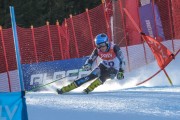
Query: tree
(37, 12)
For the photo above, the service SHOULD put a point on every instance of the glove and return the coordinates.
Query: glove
(86, 67)
(120, 74)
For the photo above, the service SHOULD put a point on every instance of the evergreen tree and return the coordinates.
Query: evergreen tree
(37, 12)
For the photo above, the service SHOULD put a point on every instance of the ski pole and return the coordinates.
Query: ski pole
(50, 82)
(46, 84)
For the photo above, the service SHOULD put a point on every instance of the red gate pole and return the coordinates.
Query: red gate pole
(90, 28)
(107, 24)
(50, 41)
(138, 29)
(34, 43)
(67, 39)
(60, 41)
(124, 30)
(5, 58)
(76, 45)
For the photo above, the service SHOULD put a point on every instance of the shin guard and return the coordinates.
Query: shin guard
(93, 85)
(69, 87)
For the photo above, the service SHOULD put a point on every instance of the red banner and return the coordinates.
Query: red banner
(163, 55)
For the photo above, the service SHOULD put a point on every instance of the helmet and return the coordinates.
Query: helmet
(101, 38)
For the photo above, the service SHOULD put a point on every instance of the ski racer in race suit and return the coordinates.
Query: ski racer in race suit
(111, 66)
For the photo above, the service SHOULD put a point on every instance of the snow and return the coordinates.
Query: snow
(115, 100)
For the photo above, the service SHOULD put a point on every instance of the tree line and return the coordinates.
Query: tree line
(37, 12)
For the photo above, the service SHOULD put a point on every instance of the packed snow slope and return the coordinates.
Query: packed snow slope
(114, 100)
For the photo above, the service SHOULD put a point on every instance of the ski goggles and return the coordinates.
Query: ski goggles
(101, 45)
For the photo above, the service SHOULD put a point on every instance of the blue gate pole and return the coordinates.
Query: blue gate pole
(16, 43)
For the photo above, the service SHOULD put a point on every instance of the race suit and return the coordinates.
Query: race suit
(111, 61)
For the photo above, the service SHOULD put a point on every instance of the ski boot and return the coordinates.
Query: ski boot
(86, 91)
(59, 91)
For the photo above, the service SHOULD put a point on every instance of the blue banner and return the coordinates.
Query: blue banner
(12, 106)
(46, 70)
(151, 25)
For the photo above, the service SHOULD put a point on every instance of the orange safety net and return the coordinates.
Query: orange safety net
(7, 38)
(75, 37)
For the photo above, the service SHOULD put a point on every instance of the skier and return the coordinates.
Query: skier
(111, 66)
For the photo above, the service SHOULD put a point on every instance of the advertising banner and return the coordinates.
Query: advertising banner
(44, 72)
(151, 24)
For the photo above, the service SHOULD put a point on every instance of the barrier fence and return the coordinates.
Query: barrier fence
(75, 37)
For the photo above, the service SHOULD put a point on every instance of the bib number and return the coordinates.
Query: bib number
(111, 63)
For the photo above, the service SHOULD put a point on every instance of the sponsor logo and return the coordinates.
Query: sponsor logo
(44, 78)
(148, 24)
(109, 55)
